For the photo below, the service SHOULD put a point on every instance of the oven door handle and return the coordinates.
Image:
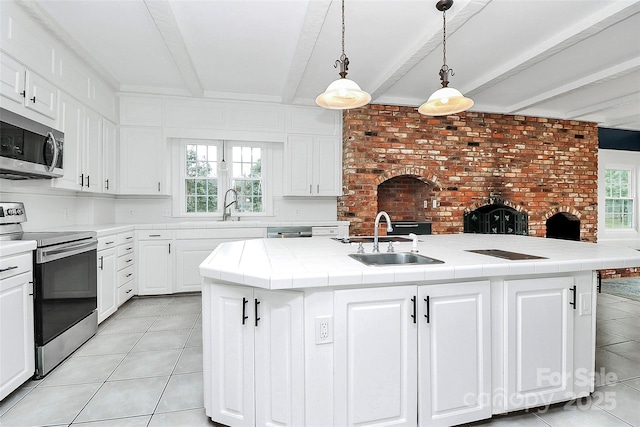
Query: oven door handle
(43, 255)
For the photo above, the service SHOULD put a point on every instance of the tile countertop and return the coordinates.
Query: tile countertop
(108, 229)
(317, 262)
(12, 247)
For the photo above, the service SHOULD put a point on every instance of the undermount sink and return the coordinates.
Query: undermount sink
(394, 258)
(369, 239)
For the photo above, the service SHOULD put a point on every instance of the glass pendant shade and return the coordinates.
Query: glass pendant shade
(343, 94)
(444, 101)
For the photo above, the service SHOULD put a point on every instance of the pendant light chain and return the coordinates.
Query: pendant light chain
(444, 37)
(343, 28)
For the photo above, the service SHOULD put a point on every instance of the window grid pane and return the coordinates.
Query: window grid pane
(618, 203)
(247, 178)
(201, 183)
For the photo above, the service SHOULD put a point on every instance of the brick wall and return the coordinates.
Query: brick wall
(538, 165)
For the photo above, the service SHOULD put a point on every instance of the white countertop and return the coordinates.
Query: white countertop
(12, 247)
(108, 229)
(320, 261)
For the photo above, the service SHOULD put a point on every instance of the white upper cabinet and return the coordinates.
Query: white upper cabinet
(142, 161)
(314, 166)
(25, 93)
(109, 157)
(71, 122)
(93, 152)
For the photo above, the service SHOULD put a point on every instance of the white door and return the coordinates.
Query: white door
(93, 152)
(228, 337)
(141, 161)
(41, 95)
(539, 341)
(279, 359)
(71, 122)
(109, 150)
(375, 352)
(156, 267)
(17, 358)
(298, 169)
(12, 85)
(454, 353)
(328, 166)
(107, 283)
(189, 256)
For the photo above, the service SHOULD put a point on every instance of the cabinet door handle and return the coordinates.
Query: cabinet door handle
(256, 308)
(88, 184)
(101, 263)
(573, 291)
(13, 267)
(82, 180)
(318, 188)
(599, 282)
(310, 188)
(428, 314)
(413, 302)
(169, 247)
(33, 99)
(23, 93)
(106, 184)
(244, 310)
(158, 187)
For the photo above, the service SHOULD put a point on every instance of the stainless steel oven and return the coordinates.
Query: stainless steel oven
(65, 287)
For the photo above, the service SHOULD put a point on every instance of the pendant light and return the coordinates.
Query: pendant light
(223, 164)
(445, 100)
(343, 93)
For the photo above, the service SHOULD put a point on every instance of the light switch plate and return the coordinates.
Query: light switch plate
(585, 304)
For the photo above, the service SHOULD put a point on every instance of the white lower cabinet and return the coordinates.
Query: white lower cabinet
(189, 255)
(154, 250)
(107, 277)
(376, 353)
(126, 267)
(407, 347)
(254, 365)
(539, 340)
(17, 345)
(454, 348)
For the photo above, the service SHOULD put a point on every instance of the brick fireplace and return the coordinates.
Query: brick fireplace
(439, 168)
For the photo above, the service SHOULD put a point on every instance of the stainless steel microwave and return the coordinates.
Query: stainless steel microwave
(28, 149)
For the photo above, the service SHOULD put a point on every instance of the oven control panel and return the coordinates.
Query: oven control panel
(12, 213)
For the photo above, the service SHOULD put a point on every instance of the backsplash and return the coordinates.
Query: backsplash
(540, 166)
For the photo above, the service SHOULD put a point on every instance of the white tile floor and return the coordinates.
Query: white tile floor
(144, 368)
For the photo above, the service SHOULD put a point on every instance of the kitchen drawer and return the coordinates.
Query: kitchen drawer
(125, 261)
(15, 264)
(154, 234)
(125, 249)
(107, 242)
(125, 292)
(124, 238)
(125, 275)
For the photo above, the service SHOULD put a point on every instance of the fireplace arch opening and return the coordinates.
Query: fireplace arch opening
(563, 225)
(496, 218)
(405, 198)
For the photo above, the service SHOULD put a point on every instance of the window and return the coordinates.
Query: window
(206, 178)
(619, 199)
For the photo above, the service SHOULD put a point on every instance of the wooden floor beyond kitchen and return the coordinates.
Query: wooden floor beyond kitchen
(144, 368)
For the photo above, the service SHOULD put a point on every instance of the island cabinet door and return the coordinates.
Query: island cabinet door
(279, 358)
(228, 352)
(454, 353)
(539, 341)
(375, 356)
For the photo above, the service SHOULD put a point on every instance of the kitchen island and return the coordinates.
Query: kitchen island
(296, 332)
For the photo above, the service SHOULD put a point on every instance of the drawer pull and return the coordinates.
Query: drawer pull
(129, 275)
(13, 267)
(128, 291)
(129, 260)
(129, 249)
(154, 235)
(129, 238)
(109, 243)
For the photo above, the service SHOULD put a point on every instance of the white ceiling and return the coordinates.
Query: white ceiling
(570, 59)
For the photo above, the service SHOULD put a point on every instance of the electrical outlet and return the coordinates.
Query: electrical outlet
(426, 204)
(585, 304)
(324, 329)
(435, 203)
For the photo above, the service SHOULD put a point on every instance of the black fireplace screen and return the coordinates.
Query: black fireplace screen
(496, 219)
